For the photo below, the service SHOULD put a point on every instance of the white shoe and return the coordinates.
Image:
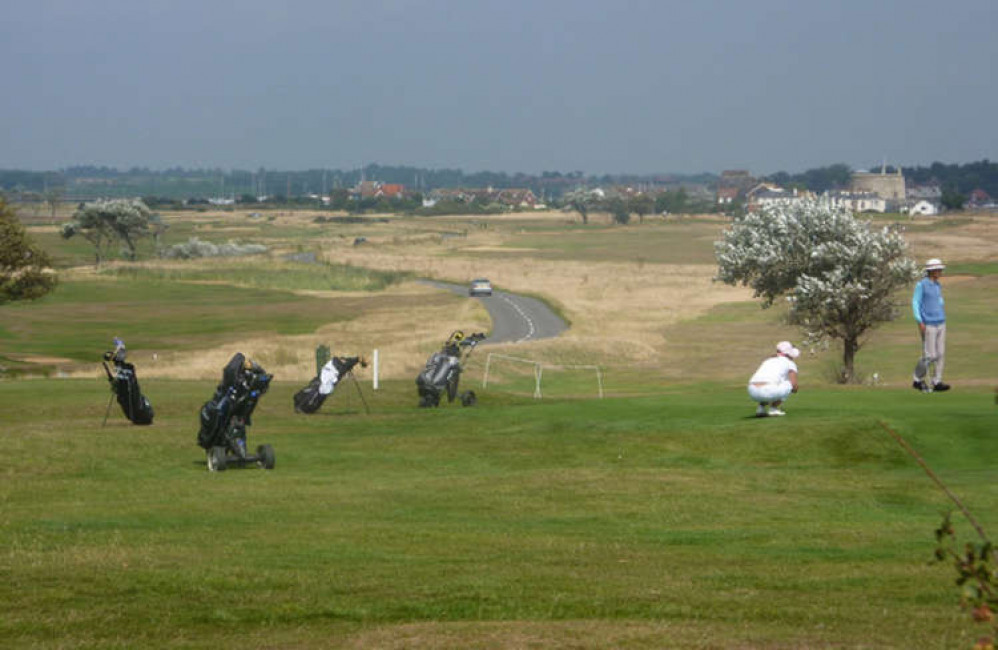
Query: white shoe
(760, 412)
(776, 412)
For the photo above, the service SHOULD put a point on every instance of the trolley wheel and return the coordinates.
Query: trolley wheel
(217, 460)
(265, 453)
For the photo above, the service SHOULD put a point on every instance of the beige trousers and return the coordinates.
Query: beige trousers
(933, 353)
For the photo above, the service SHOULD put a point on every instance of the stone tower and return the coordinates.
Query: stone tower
(886, 186)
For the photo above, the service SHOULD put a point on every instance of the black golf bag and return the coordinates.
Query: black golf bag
(442, 373)
(225, 416)
(125, 386)
(310, 398)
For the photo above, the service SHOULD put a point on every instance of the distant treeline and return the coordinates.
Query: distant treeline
(179, 184)
(961, 178)
(820, 179)
(182, 184)
(956, 177)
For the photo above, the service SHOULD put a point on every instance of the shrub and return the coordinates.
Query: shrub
(195, 248)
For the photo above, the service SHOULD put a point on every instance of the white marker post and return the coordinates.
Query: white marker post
(375, 371)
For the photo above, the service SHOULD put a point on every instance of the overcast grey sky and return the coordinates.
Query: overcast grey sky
(610, 86)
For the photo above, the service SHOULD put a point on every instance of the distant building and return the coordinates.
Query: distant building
(733, 184)
(509, 198)
(857, 201)
(726, 195)
(378, 190)
(766, 195)
(889, 187)
(979, 199)
(922, 207)
(366, 189)
(770, 197)
(517, 198)
(754, 191)
(928, 192)
(737, 178)
(391, 191)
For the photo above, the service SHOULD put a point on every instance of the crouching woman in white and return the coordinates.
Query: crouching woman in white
(775, 380)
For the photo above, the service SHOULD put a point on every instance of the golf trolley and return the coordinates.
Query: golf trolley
(309, 399)
(125, 386)
(225, 416)
(443, 371)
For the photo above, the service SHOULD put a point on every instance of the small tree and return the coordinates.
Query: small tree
(952, 199)
(675, 202)
(158, 227)
(641, 205)
(582, 201)
(53, 197)
(619, 210)
(25, 272)
(102, 222)
(839, 275)
(976, 566)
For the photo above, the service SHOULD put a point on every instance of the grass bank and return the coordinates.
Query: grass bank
(154, 313)
(674, 520)
(264, 273)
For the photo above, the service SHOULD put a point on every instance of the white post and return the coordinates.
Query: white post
(375, 372)
(485, 377)
(538, 371)
(599, 380)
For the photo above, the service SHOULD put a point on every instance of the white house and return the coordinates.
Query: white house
(923, 207)
(768, 195)
(857, 201)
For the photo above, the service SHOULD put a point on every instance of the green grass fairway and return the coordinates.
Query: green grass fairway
(687, 242)
(160, 313)
(672, 520)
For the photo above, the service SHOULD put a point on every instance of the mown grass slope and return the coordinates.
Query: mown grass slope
(673, 520)
(162, 314)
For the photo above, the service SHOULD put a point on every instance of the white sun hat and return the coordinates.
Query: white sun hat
(935, 264)
(787, 348)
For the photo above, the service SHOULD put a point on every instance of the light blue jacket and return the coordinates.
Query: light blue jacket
(927, 302)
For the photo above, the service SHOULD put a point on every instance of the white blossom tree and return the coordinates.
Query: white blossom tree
(102, 222)
(582, 201)
(839, 275)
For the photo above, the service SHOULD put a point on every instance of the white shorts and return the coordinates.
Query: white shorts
(771, 392)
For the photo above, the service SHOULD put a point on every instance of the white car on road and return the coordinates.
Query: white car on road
(480, 287)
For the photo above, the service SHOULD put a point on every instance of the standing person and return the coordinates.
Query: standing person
(928, 306)
(775, 380)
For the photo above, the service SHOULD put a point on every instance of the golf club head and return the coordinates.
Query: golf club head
(921, 367)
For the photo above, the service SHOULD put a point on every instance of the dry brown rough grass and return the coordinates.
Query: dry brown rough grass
(620, 313)
(615, 308)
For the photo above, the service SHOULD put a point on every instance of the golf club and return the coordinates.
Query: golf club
(361, 393)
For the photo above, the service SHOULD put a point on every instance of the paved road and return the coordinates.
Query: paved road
(514, 318)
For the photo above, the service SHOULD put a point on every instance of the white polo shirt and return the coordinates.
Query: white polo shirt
(774, 370)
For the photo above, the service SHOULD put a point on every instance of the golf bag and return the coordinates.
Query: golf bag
(125, 386)
(225, 416)
(442, 373)
(310, 398)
